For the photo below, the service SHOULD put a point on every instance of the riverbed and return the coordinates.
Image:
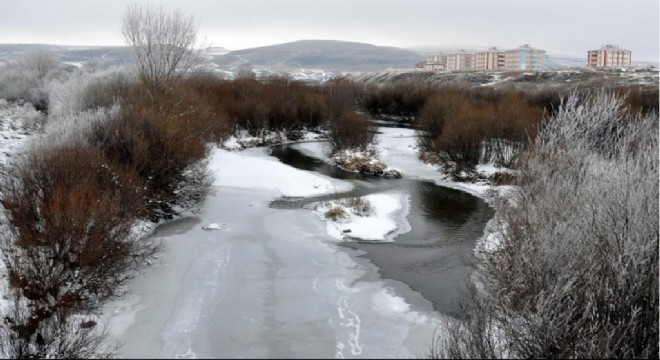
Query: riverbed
(270, 282)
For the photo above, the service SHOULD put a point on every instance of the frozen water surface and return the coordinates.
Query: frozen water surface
(270, 283)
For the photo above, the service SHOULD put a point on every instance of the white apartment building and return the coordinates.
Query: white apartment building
(608, 55)
(524, 57)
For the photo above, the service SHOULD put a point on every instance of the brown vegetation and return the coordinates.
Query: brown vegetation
(350, 131)
(467, 127)
(575, 271)
(72, 212)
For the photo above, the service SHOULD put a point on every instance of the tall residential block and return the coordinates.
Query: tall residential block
(524, 57)
(460, 61)
(490, 59)
(609, 55)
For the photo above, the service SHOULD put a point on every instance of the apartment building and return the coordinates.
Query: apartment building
(608, 55)
(460, 61)
(524, 57)
(436, 63)
(490, 59)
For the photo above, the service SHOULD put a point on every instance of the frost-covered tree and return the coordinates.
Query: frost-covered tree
(25, 77)
(575, 271)
(164, 44)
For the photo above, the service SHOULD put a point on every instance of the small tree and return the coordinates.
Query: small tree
(245, 72)
(164, 44)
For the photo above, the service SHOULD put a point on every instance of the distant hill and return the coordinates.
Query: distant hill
(321, 54)
(71, 54)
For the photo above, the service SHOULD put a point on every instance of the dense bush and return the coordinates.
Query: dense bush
(436, 114)
(72, 204)
(277, 104)
(82, 91)
(575, 271)
(71, 211)
(350, 132)
(164, 147)
(403, 100)
(25, 77)
(468, 127)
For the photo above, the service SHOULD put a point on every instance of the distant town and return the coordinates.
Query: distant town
(524, 57)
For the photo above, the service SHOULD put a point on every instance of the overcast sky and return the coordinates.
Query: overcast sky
(558, 26)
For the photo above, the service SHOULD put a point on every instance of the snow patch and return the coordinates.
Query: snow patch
(385, 219)
(243, 140)
(255, 169)
(214, 226)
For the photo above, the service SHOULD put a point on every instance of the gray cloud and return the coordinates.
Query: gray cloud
(560, 26)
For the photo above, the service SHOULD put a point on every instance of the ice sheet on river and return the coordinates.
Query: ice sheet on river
(271, 283)
(255, 169)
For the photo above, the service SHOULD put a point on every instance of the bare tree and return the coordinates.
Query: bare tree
(245, 71)
(164, 45)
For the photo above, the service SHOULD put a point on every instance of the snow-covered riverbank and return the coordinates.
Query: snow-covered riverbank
(268, 283)
(397, 147)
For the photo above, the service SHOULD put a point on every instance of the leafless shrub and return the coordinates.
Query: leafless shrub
(25, 76)
(402, 99)
(56, 337)
(350, 131)
(467, 127)
(83, 91)
(473, 333)
(436, 114)
(576, 271)
(163, 146)
(71, 212)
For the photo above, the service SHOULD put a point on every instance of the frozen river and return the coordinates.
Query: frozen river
(270, 282)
